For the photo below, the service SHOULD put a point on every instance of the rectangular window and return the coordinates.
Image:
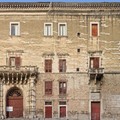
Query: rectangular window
(48, 109)
(62, 65)
(48, 65)
(48, 29)
(48, 87)
(94, 62)
(62, 88)
(62, 109)
(15, 61)
(94, 29)
(14, 29)
(62, 29)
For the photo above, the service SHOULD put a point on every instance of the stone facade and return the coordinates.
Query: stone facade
(78, 45)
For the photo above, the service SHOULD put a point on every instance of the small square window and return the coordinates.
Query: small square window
(14, 29)
(77, 69)
(78, 50)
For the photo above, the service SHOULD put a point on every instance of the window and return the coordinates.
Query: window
(94, 62)
(48, 109)
(48, 87)
(62, 65)
(14, 28)
(62, 109)
(94, 29)
(15, 61)
(62, 29)
(62, 88)
(48, 65)
(48, 29)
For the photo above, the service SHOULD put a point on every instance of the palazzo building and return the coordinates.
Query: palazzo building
(60, 60)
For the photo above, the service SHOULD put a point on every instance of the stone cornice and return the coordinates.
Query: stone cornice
(59, 5)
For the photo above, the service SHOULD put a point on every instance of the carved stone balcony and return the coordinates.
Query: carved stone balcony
(96, 74)
(96, 71)
(16, 75)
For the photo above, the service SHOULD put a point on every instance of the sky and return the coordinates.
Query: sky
(59, 0)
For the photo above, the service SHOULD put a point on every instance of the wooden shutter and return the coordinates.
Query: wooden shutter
(94, 30)
(62, 111)
(62, 88)
(62, 65)
(95, 111)
(17, 61)
(48, 87)
(48, 65)
(48, 111)
(94, 62)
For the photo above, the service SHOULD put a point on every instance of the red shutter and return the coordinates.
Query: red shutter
(48, 65)
(48, 112)
(95, 30)
(95, 111)
(62, 65)
(62, 88)
(95, 61)
(48, 87)
(17, 61)
(62, 111)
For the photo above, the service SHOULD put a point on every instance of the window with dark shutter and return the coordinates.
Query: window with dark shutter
(48, 87)
(94, 62)
(62, 65)
(94, 30)
(15, 61)
(48, 65)
(62, 87)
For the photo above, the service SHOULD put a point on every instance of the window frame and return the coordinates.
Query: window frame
(62, 90)
(48, 105)
(62, 66)
(62, 105)
(98, 29)
(59, 33)
(46, 30)
(46, 88)
(15, 61)
(18, 29)
(48, 68)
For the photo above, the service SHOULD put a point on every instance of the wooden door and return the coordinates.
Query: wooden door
(14, 108)
(95, 111)
(62, 111)
(48, 112)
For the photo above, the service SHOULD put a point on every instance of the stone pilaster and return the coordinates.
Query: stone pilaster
(1, 100)
(32, 98)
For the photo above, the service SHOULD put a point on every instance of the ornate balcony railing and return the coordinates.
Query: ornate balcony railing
(96, 71)
(12, 74)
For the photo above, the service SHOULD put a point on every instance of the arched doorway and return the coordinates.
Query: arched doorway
(14, 103)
